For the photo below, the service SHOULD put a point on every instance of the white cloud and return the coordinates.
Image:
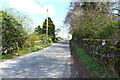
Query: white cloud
(31, 7)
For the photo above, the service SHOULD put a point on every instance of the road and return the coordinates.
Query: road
(51, 62)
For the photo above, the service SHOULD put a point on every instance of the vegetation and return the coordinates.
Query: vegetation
(39, 30)
(51, 28)
(59, 38)
(16, 36)
(25, 51)
(94, 20)
(57, 31)
(97, 70)
(13, 34)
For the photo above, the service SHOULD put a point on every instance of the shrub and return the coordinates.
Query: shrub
(31, 40)
(13, 34)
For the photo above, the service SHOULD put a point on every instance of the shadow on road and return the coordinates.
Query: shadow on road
(38, 66)
(47, 63)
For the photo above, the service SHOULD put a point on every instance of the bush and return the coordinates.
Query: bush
(106, 31)
(106, 54)
(96, 69)
(13, 34)
(32, 39)
(98, 28)
(59, 38)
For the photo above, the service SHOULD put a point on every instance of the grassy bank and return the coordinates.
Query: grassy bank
(24, 51)
(93, 67)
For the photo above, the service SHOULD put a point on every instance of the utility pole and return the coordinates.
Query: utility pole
(119, 14)
(119, 8)
(47, 26)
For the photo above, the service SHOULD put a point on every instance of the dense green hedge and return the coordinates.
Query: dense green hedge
(106, 52)
(13, 33)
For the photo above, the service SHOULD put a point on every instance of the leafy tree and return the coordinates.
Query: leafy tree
(21, 18)
(87, 19)
(51, 28)
(57, 31)
(0, 31)
(39, 30)
(43, 38)
(13, 34)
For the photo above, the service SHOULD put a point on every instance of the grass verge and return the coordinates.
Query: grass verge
(24, 51)
(93, 67)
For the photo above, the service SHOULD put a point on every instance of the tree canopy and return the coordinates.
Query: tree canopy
(13, 33)
(92, 20)
(39, 30)
(51, 28)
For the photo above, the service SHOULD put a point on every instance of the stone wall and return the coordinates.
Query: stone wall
(106, 52)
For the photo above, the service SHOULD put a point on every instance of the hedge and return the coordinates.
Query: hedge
(105, 51)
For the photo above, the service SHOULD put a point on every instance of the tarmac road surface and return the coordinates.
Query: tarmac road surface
(51, 62)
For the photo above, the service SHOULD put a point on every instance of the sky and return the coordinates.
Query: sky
(36, 10)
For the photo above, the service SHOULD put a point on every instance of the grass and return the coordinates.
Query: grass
(93, 67)
(24, 51)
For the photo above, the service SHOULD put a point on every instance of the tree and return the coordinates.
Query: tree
(87, 19)
(57, 31)
(51, 28)
(21, 18)
(39, 30)
(13, 34)
(0, 32)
